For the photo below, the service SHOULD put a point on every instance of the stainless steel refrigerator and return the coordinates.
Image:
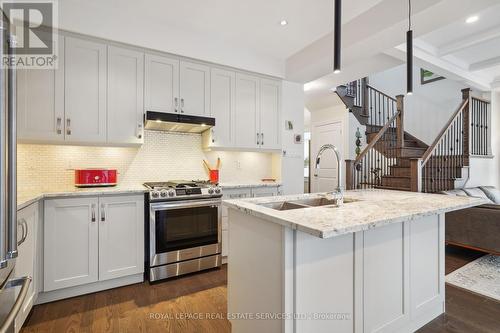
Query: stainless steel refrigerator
(13, 290)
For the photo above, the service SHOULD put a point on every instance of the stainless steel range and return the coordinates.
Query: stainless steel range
(184, 220)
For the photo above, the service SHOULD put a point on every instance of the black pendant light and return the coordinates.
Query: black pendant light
(409, 54)
(337, 35)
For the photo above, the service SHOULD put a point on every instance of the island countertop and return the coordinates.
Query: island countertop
(368, 209)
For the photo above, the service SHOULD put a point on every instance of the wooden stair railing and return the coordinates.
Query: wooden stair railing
(377, 158)
(437, 170)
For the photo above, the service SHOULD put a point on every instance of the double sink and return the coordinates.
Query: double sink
(305, 203)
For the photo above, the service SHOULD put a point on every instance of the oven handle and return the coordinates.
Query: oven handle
(184, 204)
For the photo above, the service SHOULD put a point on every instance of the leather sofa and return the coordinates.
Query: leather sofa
(477, 227)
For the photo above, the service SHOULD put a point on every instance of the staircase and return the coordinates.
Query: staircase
(396, 160)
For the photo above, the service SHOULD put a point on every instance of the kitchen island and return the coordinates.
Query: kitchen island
(375, 264)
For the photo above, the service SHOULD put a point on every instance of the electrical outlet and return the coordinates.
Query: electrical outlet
(238, 165)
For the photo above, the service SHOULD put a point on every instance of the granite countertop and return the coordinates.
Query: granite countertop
(26, 199)
(373, 208)
(231, 185)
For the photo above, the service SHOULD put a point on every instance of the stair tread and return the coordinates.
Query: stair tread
(394, 188)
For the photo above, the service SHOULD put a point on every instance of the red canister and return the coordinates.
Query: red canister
(95, 177)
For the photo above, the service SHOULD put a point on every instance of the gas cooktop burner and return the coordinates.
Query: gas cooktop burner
(182, 189)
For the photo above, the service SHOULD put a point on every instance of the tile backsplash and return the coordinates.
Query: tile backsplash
(163, 156)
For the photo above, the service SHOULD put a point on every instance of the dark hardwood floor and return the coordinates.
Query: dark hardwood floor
(182, 305)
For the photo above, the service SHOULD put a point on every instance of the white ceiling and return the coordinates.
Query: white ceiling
(240, 33)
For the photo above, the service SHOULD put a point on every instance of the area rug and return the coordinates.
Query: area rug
(482, 276)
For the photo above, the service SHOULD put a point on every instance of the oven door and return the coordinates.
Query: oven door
(182, 230)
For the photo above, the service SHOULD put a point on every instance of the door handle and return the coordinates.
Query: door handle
(92, 219)
(262, 138)
(24, 282)
(182, 105)
(103, 212)
(68, 126)
(58, 125)
(213, 135)
(139, 131)
(258, 141)
(176, 101)
(24, 227)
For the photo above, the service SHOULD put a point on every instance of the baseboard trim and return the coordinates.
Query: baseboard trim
(55, 295)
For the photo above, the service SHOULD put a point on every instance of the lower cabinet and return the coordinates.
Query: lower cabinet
(26, 263)
(92, 239)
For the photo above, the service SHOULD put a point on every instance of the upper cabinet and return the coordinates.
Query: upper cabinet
(269, 120)
(125, 96)
(40, 102)
(222, 100)
(85, 90)
(247, 111)
(194, 89)
(161, 84)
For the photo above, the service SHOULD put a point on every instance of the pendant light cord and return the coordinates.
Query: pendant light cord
(409, 14)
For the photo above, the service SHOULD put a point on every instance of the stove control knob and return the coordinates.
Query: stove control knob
(155, 194)
(217, 190)
(211, 190)
(163, 194)
(171, 193)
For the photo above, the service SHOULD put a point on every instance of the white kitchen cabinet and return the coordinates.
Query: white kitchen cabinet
(70, 242)
(40, 103)
(125, 96)
(121, 236)
(225, 245)
(269, 120)
(92, 239)
(246, 111)
(222, 97)
(85, 91)
(26, 260)
(161, 84)
(267, 191)
(194, 89)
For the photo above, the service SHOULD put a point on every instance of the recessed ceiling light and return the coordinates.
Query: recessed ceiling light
(472, 19)
(283, 23)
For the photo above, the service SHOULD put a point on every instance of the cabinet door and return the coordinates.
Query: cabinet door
(268, 191)
(85, 90)
(40, 102)
(270, 105)
(162, 84)
(194, 89)
(121, 236)
(246, 111)
(222, 94)
(70, 242)
(125, 96)
(26, 259)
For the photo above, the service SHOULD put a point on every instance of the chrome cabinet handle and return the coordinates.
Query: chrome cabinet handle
(213, 135)
(24, 227)
(68, 126)
(103, 213)
(262, 138)
(258, 140)
(139, 131)
(182, 105)
(176, 101)
(93, 213)
(24, 282)
(58, 125)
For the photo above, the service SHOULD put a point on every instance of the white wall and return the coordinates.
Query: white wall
(291, 168)
(430, 106)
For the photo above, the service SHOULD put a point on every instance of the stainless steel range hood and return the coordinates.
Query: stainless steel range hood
(173, 122)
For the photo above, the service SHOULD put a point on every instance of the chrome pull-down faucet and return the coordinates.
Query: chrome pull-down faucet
(338, 193)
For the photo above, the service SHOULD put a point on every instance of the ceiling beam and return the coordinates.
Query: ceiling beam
(469, 41)
(485, 64)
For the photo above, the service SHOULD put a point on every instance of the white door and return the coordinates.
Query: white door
(222, 106)
(161, 84)
(246, 111)
(40, 102)
(70, 242)
(121, 236)
(125, 96)
(85, 90)
(194, 89)
(270, 105)
(27, 221)
(325, 179)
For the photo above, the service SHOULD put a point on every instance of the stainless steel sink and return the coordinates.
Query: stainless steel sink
(283, 205)
(304, 203)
